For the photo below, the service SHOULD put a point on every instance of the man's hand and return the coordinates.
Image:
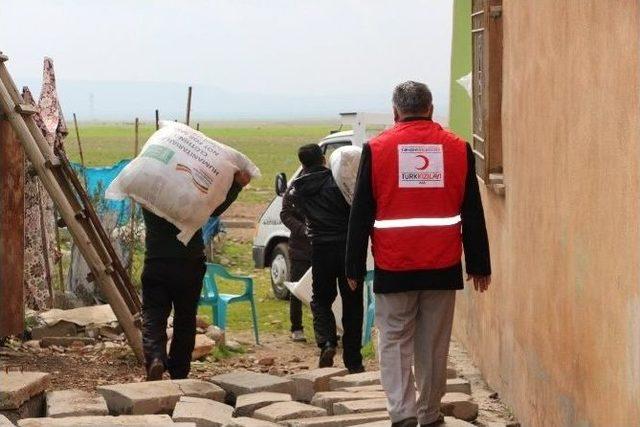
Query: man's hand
(353, 284)
(480, 283)
(242, 178)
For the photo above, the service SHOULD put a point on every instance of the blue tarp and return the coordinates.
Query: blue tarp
(99, 178)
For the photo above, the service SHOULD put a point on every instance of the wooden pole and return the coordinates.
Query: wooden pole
(11, 232)
(157, 119)
(62, 286)
(189, 105)
(84, 173)
(132, 235)
(197, 126)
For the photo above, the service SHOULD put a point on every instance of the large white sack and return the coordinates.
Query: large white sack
(181, 175)
(344, 164)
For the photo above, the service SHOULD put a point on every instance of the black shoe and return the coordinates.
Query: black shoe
(155, 370)
(326, 356)
(358, 370)
(407, 422)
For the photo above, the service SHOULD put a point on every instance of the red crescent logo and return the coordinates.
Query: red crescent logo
(426, 162)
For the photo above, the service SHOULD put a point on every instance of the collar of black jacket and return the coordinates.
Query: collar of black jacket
(415, 118)
(314, 169)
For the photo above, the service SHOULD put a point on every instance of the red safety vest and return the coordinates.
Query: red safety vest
(419, 172)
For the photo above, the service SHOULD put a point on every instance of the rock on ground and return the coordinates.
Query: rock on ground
(244, 382)
(354, 380)
(340, 420)
(66, 341)
(363, 388)
(74, 403)
(448, 422)
(326, 399)
(203, 412)
(125, 420)
(17, 388)
(249, 422)
(460, 406)
(60, 329)
(155, 397)
(359, 406)
(281, 411)
(4, 421)
(247, 404)
(309, 383)
(458, 385)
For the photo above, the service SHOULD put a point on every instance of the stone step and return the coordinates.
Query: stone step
(458, 385)
(202, 412)
(281, 411)
(74, 403)
(249, 422)
(16, 388)
(247, 404)
(360, 406)
(155, 397)
(459, 405)
(365, 388)
(310, 382)
(327, 399)
(124, 420)
(448, 422)
(244, 382)
(354, 380)
(339, 420)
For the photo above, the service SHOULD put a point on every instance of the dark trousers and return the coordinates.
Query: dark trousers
(328, 278)
(171, 283)
(298, 268)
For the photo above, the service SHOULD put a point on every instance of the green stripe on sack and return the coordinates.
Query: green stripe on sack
(159, 152)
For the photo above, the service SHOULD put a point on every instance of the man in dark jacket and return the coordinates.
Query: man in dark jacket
(327, 218)
(300, 255)
(417, 196)
(172, 278)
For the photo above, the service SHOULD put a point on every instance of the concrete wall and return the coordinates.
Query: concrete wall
(559, 332)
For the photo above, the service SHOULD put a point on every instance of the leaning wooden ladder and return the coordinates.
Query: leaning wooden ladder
(72, 201)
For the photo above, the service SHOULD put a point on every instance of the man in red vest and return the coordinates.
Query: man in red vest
(417, 197)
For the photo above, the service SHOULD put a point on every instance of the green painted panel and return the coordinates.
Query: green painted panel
(460, 109)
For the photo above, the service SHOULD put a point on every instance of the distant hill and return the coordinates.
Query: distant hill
(115, 101)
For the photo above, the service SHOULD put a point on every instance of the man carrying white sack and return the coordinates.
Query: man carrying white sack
(172, 277)
(417, 196)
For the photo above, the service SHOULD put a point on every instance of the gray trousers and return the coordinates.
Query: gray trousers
(414, 327)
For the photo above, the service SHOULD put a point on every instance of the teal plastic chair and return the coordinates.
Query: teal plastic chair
(220, 302)
(371, 308)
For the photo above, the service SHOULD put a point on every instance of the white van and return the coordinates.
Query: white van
(271, 243)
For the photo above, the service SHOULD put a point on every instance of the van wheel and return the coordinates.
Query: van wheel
(280, 269)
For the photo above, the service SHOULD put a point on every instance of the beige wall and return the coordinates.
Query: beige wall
(559, 333)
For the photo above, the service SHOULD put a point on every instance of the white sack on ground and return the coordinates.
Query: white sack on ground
(181, 175)
(344, 164)
(303, 290)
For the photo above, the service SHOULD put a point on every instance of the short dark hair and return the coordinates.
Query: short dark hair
(412, 97)
(311, 155)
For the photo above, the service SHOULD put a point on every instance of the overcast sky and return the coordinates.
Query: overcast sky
(322, 48)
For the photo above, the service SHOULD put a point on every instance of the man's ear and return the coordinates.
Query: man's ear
(396, 116)
(430, 112)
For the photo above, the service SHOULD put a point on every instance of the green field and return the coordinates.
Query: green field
(272, 146)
